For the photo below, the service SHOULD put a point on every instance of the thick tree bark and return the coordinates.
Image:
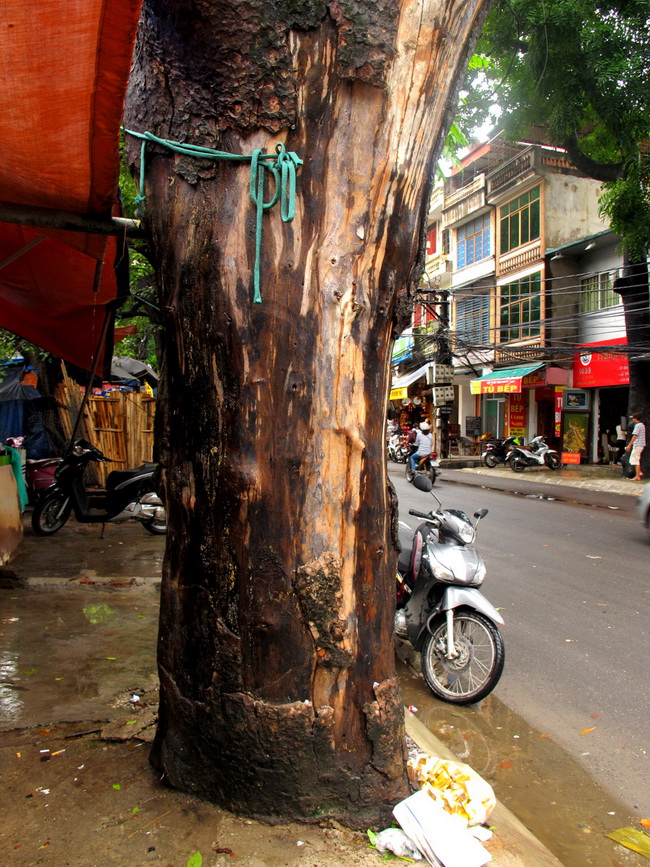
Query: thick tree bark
(278, 688)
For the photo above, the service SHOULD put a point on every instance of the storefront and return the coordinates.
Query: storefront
(604, 378)
(521, 401)
(410, 397)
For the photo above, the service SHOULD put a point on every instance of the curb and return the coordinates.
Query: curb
(111, 581)
(512, 845)
(583, 493)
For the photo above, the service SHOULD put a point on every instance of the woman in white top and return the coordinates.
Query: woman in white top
(636, 446)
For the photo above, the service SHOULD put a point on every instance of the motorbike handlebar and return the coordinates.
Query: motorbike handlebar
(416, 514)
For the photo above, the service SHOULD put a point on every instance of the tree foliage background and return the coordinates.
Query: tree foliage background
(580, 70)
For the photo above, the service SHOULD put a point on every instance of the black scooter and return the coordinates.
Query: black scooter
(129, 494)
(498, 452)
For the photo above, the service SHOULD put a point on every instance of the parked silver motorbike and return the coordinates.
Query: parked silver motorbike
(440, 611)
(398, 449)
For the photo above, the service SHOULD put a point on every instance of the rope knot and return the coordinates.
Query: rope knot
(282, 166)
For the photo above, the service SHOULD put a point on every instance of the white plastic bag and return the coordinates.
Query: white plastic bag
(395, 840)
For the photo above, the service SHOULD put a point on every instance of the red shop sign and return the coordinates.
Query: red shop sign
(593, 369)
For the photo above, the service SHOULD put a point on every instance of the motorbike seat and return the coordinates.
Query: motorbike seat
(410, 557)
(32, 464)
(117, 478)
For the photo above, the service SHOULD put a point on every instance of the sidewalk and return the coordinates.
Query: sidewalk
(77, 640)
(602, 486)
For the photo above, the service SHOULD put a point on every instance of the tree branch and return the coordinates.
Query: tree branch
(599, 171)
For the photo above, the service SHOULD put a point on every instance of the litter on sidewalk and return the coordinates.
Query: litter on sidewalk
(439, 821)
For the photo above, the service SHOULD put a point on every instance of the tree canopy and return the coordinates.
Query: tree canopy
(579, 70)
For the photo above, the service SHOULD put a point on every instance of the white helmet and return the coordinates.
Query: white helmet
(425, 426)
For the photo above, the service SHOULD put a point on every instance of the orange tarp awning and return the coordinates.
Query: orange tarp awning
(64, 66)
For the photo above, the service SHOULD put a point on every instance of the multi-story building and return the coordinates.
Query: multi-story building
(520, 271)
(583, 275)
(411, 395)
(505, 207)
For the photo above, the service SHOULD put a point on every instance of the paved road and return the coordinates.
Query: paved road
(572, 583)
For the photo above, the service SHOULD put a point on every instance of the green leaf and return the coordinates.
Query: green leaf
(116, 786)
(195, 860)
(135, 811)
(371, 836)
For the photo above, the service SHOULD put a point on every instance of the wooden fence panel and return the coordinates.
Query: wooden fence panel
(120, 425)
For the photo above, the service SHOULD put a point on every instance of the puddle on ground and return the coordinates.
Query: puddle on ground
(542, 784)
(64, 655)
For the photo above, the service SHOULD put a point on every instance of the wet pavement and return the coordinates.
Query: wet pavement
(78, 625)
(540, 782)
(78, 703)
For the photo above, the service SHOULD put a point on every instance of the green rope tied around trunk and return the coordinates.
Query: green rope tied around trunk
(281, 165)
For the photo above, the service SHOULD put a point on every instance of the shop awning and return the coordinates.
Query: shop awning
(508, 380)
(64, 67)
(399, 386)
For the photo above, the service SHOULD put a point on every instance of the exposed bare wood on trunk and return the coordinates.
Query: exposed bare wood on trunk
(278, 688)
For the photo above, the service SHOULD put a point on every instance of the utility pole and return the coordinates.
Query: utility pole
(436, 302)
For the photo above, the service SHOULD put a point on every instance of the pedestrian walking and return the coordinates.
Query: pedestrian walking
(636, 445)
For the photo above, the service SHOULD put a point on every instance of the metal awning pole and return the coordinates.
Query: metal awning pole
(95, 364)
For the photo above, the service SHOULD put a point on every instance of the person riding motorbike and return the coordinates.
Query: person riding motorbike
(423, 444)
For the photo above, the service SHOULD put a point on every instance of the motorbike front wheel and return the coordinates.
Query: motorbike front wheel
(475, 671)
(410, 475)
(517, 464)
(50, 513)
(490, 460)
(552, 460)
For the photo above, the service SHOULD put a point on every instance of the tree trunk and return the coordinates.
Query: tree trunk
(278, 688)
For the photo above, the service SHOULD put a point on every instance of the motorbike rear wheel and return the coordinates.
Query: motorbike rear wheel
(517, 464)
(552, 460)
(491, 460)
(50, 513)
(431, 473)
(476, 671)
(156, 526)
(410, 475)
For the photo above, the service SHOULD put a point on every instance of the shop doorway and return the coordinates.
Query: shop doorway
(545, 398)
(494, 416)
(612, 412)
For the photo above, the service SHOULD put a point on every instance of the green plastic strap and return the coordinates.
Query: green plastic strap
(282, 166)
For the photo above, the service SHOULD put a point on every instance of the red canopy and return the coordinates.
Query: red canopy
(64, 66)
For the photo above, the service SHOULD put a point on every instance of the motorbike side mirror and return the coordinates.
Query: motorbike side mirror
(422, 483)
(480, 513)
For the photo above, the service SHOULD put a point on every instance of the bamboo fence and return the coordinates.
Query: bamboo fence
(119, 424)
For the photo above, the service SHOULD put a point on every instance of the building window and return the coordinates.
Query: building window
(432, 241)
(473, 241)
(519, 221)
(596, 292)
(520, 308)
(473, 319)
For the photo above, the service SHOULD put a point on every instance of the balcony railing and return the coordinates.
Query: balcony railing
(465, 192)
(515, 169)
(513, 261)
